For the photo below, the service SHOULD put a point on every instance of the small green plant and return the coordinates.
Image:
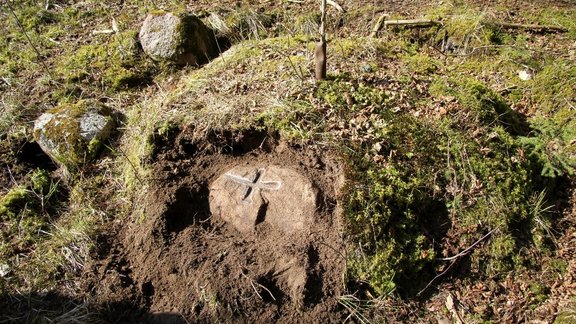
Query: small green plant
(421, 63)
(550, 148)
(553, 140)
(567, 314)
(25, 211)
(34, 196)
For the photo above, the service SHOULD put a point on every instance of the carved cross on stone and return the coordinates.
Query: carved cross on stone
(253, 184)
(280, 197)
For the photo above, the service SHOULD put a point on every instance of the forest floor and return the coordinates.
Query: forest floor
(440, 160)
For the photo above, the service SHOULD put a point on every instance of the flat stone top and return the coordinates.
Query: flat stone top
(246, 196)
(93, 125)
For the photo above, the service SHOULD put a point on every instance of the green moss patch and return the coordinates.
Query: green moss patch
(419, 177)
(25, 210)
(112, 61)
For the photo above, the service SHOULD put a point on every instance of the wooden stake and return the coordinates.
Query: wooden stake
(320, 57)
(320, 51)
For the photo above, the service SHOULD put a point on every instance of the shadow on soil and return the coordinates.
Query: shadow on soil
(56, 308)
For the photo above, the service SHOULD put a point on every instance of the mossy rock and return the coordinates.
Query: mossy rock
(181, 39)
(72, 134)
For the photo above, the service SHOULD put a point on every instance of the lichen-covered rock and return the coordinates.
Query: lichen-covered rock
(72, 134)
(178, 38)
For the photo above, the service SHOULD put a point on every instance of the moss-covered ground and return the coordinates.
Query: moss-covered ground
(459, 142)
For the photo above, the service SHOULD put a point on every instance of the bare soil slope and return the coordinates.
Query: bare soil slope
(182, 260)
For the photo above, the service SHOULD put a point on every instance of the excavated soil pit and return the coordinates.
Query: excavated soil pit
(237, 227)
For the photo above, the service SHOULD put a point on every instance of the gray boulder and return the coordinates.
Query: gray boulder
(72, 134)
(181, 39)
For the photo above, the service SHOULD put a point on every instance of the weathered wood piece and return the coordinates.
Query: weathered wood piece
(410, 23)
(423, 23)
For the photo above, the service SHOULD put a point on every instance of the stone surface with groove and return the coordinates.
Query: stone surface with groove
(246, 196)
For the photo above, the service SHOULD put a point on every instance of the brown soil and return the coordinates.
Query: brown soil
(178, 259)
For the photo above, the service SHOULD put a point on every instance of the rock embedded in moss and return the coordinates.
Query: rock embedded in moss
(72, 134)
(178, 38)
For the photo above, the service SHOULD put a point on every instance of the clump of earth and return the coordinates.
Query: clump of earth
(239, 226)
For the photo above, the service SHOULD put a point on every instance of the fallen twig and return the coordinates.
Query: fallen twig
(114, 29)
(468, 249)
(19, 23)
(252, 282)
(452, 305)
(412, 23)
(569, 104)
(136, 174)
(539, 28)
(434, 279)
(253, 287)
(453, 259)
(103, 31)
(335, 5)
(423, 23)
(378, 24)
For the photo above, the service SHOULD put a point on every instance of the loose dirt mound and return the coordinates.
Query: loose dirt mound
(182, 259)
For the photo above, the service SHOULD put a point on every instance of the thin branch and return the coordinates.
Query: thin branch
(329, 2)
(417, 23)
(269, 292)
(19, 23)
(252, 282)
(136, 174)
(11, 176)
(434, 279)
(409, 23)
(468, 249)
(538, 28)
(299, 75)
(453, 259)
(569, 104)
(335, 5)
